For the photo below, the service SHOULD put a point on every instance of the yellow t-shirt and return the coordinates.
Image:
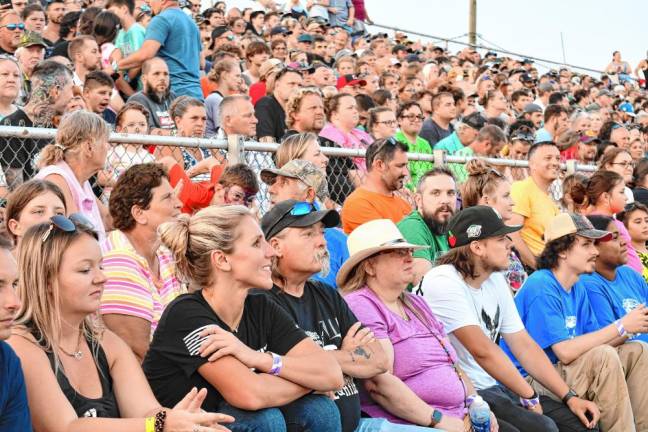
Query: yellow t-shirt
(538, 209)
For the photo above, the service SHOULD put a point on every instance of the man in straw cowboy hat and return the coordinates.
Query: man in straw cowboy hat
(295, 230)
(470, 295)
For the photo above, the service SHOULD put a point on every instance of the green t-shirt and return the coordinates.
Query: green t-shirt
(416, 231)
(416, 168)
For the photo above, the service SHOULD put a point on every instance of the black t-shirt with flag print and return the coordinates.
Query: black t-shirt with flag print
(324, 315)
(172, 362)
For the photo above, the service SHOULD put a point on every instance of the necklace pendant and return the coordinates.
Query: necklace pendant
(78, 355)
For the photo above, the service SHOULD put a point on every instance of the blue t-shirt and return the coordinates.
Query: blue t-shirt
(14, 410)
(543, 135)
(551, 314)
(612, 300)
(336, 243)
(180, 49)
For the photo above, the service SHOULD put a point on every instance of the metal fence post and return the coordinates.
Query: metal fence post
(235, 149)
(439, 158)
(571, 166)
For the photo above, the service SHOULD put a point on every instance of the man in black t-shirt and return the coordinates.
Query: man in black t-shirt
(296, 231)
(270, 110)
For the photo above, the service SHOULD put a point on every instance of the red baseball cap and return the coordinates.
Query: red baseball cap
(350, 80)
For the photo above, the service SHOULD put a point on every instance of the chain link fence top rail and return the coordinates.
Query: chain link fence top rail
(21, 147)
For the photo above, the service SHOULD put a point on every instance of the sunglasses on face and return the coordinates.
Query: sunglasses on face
(67, 224)
(13, 27)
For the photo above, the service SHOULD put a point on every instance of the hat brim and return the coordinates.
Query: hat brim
(594, 234)
(357, 258)
(330, 219)
(269, 175)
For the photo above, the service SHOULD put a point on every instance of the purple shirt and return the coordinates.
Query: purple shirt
(419, 360)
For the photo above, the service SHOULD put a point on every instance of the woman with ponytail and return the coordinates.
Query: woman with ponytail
(604, 192)
(256, 363)
(487, 186)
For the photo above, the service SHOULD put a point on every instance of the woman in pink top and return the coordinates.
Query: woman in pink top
(343, 117)
(424, 384)
(604, 191)
(78, 153)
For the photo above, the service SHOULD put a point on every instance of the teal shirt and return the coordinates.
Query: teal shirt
(130, 41)
(416, 231)
(459, 169)
(416, 168)
(450, 144)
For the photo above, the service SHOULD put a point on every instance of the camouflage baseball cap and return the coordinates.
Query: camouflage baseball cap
(31, 39)
(302, 170)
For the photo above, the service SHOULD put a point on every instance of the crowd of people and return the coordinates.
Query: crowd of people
(165, 288)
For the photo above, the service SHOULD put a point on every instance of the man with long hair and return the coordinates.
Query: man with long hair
(470, 295)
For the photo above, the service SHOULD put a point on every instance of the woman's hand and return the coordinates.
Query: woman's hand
(185, 421)
(357, 337)
(220, 343)
(451, 424)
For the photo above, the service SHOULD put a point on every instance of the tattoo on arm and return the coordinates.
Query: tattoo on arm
(361, 352)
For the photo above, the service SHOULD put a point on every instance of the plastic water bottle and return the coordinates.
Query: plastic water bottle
(479, 412)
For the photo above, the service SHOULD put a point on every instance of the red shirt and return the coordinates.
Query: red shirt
(195, 195)
(569, 154)
(257, 91)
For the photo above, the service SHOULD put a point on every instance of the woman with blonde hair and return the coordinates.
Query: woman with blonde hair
(301, 146)
(80, 376)
(78, 153)
(424, 384)
(256, 363)
(227, 75)
(487, 186)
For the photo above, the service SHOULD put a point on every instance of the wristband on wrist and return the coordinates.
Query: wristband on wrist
(470, 399)
(150, 424)
(160, 419)
(530, 402)
(435, 418)
(277, 364)
(620, 328)
(570, 394)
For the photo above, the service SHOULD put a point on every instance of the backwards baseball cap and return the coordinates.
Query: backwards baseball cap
(477, 223)
(349, 80)
(570, 223)
(296, 214)
(302, 170)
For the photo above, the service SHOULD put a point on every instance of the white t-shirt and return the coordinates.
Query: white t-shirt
(457, 305)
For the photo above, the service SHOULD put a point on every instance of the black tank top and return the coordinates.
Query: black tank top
(105, 406)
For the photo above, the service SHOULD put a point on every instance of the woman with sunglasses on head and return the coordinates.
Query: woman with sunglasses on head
(635, 219)
(619, 161)
(486, 186)
(80, 376)
(249, 354)
(603, 195)
(78, 153)
(31, 203)
(424, 384)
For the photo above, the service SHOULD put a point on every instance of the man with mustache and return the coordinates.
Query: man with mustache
(377, 198)
(436, 201)
(296, 232)
(156, 95)
(302, 181)
(14, 411)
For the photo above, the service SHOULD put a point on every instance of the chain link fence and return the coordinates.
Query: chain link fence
(21, 147)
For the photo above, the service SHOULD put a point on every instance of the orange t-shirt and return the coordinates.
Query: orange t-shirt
(207, 86)
(363, 206)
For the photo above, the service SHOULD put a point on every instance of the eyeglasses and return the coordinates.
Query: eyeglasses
(67, 224)
(13, 27)
(300, 208)
(388, 122)
(624, 164)
(413, 117)
(523, 137)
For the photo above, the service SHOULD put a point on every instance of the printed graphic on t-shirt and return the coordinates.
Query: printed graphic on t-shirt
(90, 413)
(193, 340)
(570, 325)
(492, 324)
(629, 304)
(165, 119)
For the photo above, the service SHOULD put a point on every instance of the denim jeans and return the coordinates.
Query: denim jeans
(382, 425)
(311, 413)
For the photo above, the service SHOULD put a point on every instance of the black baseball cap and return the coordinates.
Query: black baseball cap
(296, 214)
(474, 120)
(477, 223)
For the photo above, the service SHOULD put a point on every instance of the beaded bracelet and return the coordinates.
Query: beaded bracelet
(160, 419)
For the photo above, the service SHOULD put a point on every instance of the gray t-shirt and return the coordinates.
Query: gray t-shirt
(212, 106)
(159, 116)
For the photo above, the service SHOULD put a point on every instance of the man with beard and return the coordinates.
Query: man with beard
(30, 52)
(378, 197)
(295, 230)
(11, 30)
(302, 181)
(55, 10)
(436, 201)
(86, 57)
(156, 95)
(51, 92)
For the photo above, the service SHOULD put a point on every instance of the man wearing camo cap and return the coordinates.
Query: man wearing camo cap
(302, 181)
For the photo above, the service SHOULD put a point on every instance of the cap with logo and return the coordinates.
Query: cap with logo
(477, 223)
(627, 108)
(589, 136)
(570, 223)
(296, 214)
(30, 39)
(302, 170)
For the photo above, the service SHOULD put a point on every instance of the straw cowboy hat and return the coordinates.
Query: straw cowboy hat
(369, 239)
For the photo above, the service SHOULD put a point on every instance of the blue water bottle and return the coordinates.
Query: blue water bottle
(479, 412)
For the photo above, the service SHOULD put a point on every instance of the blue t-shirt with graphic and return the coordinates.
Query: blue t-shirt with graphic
(551, 314)
(612, 300)
(14, 410)
(338, 253)
(180, 48)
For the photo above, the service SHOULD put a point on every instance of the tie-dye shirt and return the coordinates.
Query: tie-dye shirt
(131, 289)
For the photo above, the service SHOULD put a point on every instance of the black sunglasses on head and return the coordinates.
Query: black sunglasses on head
(67, 224)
